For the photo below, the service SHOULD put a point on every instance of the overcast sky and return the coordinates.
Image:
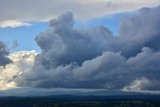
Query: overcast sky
(21, 12)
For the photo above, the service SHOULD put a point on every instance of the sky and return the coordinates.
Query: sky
(79, 45)
(25, 35)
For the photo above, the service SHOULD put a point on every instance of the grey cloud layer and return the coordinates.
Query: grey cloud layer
(33, 10)
(94, 58)
(4, 60)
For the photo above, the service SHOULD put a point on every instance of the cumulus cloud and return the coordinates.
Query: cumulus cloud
(61, 44)
(4, 60)
(95, 58)
(22, 63)
(138, 31)
(33, 10)
(13, 24)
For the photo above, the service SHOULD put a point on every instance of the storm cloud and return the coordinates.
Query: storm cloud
(4, 60)
(95, 58)
(138, 31)
(61, 43)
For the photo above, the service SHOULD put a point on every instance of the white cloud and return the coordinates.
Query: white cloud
(13, 24)
(22, 62)
(33, 10)
(137, 85)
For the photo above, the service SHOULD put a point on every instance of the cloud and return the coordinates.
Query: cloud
(137, 84)
(33, 10)
(104, 71)
(13, 24)
(22, 63)
(34, 92)
(15, 43)
(4, 60)
(61, 45)
(145, 67)
(93, 57)
(138, 31)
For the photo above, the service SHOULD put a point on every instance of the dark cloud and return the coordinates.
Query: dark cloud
(62, 44)
(4, 60)
(15, 44)
(138, 31)
(146, 65)
(94, 58)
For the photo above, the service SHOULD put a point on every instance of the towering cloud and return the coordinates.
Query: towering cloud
(4, 60)
(61, 44)
(95, 58)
